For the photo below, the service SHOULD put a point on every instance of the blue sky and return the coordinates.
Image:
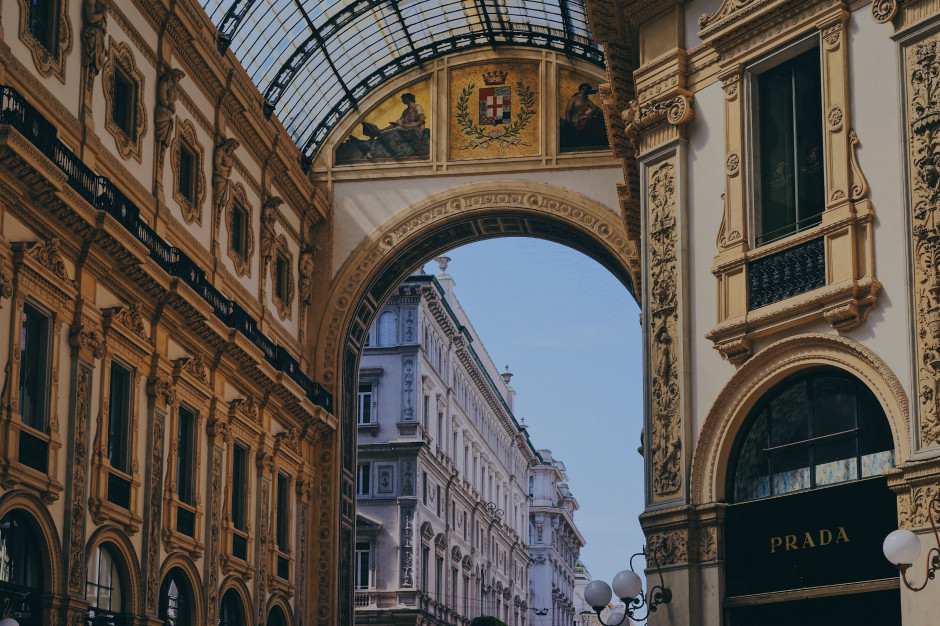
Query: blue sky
(570, 333)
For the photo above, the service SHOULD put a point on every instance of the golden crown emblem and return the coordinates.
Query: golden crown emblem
(497, 77)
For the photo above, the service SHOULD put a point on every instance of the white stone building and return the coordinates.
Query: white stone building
(554, 542)
(441, 492)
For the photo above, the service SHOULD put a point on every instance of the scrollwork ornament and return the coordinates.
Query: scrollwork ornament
(834, 117)
(47, 254)
(883, 11)
(859, 187)
(832, 36)
(732, 164)
(680, 110)
(6, 283)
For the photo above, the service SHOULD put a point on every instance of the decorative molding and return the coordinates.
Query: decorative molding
(922, 74)
(859, 183)
(305, 267)
(79, 467)
(269, 217)
(764, 370)
(48, 63)
(223, 159)
(162, 387)
(665, 443)
(884, 11)
(167, 88)
(186, 136)
(131, 318)
(121, 56)
(47, 254)
(284, 306)
(672, 547)
(94, 29)
(240, 198)
(194, 366)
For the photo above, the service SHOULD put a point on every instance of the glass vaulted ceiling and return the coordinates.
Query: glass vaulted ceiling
(314, 60)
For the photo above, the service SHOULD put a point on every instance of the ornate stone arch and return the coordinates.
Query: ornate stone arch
(127, 562)
(44, 527)
(184, 563)
(234, 582)
(278, 600)
(766, 369)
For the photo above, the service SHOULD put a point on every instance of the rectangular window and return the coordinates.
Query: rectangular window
(438, 493)
(34, 367)
(464, 513)
(186, 456)
(239, 242)
(187, 174)
(425, 558)
(789, 129)
(119, 404)
(365, 404)
(281, 277)
(363, 484)
(123, 102)
(283, 513)
(239, 486)
(454, 579)
(438, 578)
(424, 488)
(43, 21)
(427, 405)
(363, 565)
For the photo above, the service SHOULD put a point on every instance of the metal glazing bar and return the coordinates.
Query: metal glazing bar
(230, 23)
(481, 7)
(566, 23)
(404, 28)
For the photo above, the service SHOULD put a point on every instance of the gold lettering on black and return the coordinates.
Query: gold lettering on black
(808, 541)
(775, 542)
(842, 536)
(791, 542)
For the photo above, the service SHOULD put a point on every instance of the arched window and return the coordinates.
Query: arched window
(388, 324)
(103, 589)
(814, 429)
(21, 576)
(230, 613)
(276, 617)
(175, 600)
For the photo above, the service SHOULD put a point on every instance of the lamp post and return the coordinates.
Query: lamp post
(902, 547)
(629, 588)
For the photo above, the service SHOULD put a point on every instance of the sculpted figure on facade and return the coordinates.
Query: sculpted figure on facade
(305, 267)
(222, 162)
(94, 53)
(167, 88)
(268, 220)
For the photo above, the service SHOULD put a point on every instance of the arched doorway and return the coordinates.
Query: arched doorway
(21, 569)
(443, 221)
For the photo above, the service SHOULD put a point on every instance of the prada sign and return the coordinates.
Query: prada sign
(810, 539)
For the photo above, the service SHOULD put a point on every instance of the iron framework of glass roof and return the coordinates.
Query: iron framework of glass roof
(314, 60)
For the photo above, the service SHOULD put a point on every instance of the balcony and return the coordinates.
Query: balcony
(103, 195)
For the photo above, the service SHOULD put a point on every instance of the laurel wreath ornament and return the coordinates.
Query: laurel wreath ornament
(481, 137)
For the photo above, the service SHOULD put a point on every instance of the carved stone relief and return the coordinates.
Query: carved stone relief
(167, 88)
(223, 159)
(47, 254)
(408, 390)
(95, 20)
(407, 550)
(79, 465)
(283, 304)
(665, 427)
(242, 263)
(191, 208)
(923, 78)
(305, 266)
(215, 514)
(156, 499)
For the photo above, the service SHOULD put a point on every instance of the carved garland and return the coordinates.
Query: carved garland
(284, 305)
(240, 199)
(77, 520)
(48, 63)
(665, 427)
(121, 58)
(186, 136)
(924, 122)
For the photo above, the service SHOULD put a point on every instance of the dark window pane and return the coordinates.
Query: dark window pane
(34, 368)
(752, 479)
(186, 173)
(123, 103)
(809, 133)
(836, 461)
(186, 457)
(118, 417)
(789, 415)
(790, 467)
(23, 566)
(280, 273)
(833, 405)
(230, 613)
(42, 22)
(283, 512)
(239, 463)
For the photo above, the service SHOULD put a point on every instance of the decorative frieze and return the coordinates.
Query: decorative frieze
(79, 466)
(663, 331)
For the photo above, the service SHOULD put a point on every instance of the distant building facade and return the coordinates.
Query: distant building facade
(442, 471)
(583, 614)
(554, 542)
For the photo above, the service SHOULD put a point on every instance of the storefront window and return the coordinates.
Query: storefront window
(175, 605)
(813, 430)
(21, 577)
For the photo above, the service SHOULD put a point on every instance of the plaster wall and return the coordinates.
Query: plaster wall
(360, 207)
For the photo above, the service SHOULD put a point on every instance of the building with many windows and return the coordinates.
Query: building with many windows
(443, 467)
(554, 542)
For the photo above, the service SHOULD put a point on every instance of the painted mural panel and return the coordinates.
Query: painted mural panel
(399, 129)
(581, 120)
(494, 110)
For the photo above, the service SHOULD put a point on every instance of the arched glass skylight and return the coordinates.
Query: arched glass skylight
(314, 60)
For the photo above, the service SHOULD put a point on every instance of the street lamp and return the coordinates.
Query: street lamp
(902, 548)
(629, 588)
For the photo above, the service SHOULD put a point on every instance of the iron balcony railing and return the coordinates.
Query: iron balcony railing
(787, 273)
(103, 195)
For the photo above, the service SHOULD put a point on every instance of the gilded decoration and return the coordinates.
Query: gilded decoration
(398, 129)
(283, 304)
(665, 416)
(923, 94)
(186, 136)
(240, 198)
(495, 110)
(94, 29)
(49, 62)
(121, 58)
